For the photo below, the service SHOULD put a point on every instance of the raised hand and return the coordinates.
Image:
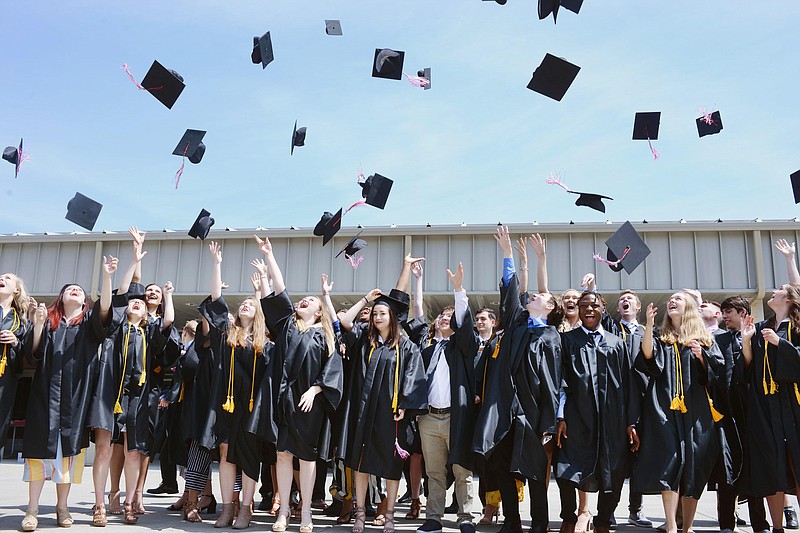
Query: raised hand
(40, 316)
(255, 279)
(264, 245)
(748, 327)
(168, 289)
(327, 286)
(138, 236)
(260, 266)
(651, 313)
(412, 260)
(372, 295)
(110, 265)
(784, 247)
(457, 279)
(138, 253)
(538, 244)
(697, 350)
(503, 238)
(521, 247)
(589, 282)
(216, 251)
(416, 269)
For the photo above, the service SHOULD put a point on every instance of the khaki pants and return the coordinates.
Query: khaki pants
(434, 432)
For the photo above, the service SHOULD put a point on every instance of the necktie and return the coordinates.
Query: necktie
(596, 335)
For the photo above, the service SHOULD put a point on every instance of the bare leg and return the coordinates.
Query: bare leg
(285, 471)
(689, 509)
(116, 466)
(102, 463)
(62, 496)
(308, 472)
(227, 475)
(34, 492)
(670, 500)
(144, 464)
(133, 462)
(361, 483)
(775, 504)
(415, 471)
(248, 490)
(391, 493)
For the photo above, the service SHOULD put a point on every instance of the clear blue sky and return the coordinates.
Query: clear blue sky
(475, 148)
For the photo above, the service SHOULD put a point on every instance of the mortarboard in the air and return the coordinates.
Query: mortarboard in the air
(626, 238)
(388, 64)
(298, 137)
(546, 7)
(501, 2)
(572, 5)
(425, 73)
(588, 199)
(645, 126)
(796, 186)
(14, 156)
(202, 225)
(333, 27)
(553, 77)
(163, 83)
(328, 226)
(709, 124)
(262, 50)
(191, 146)
(353, 246)
(83, 211)
(376, 189)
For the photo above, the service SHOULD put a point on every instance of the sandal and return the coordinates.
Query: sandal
(276, 506)
(99, 518)
(181, 503)
(30, 522)
(113, 503)
(413, 512)
(130, 514)
(584, 523)
(380, 512)
(138, 502)
(306, 526)
(360, 516)
(63, 518)
(191, 512)
(491, 514)
(281, 521)
(388, 521)
(347, 512)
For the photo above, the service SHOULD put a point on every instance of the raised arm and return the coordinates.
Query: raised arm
(275, 273)
(647, 341)
(216, 270)
(419, 309)
(255, 279)
(327, 287)
(347, 319)
(129, 275)
(788, 251)
(461, 303)
(38, 319)
(539, 247)
(169, 306)
(405, 273)
(138, 238)
(109, 267)
(522, 250)
(748, 330)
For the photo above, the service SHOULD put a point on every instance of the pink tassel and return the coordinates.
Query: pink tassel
(612, 263)
(706, 116)
(358, 203)
(177, 179)
(138, 85)
(354, 261)
(656, 155)
(397, 448)
(417, 81)
(555, 180)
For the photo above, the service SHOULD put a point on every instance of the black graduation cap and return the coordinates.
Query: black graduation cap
(572, 5)
(704, 128)
(262, 50)
(546, 7)
(333, 27)
(501, 2)
(425, 73)
(588, 199)
(191, 146)
(202, 225)
(353, 246)
(645, 126)
(376, 189)
(626, 238)
(553, 77)
(388, 64)
(136, 291)
(298, 137)
(796, 186)
(14, 156)
(328, 226)
(163, 83)
(83, 211)
(397, 300)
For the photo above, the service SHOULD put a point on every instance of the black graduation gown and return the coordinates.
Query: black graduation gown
(197, 367)
(462, 393)
(677, 450)
(725, 393)
(521, 389)
(302, 361)
(66, 366)
(367, 443)
(244, 448)
(135, 418)
(11, 320)
(596, 384)
(773, 420)
(160, 357)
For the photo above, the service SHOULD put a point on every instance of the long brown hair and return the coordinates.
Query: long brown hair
(556, 316)
(237, 335)
(692, 325)
(793, 294)
(324, 320)
(394, 329)
(55, 311)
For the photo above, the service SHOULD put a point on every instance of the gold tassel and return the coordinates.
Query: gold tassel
(683, 406)
(3, 363)
(675, 405)
(232, 406)
(773, 387)
(117, 408)
(143, 377)
(716, 415)
(14, 327)
(764, 382)
(797, 393)
(678, 403)
(251, 405)
(180, 397)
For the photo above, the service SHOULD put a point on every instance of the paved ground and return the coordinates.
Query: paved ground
(13, 499)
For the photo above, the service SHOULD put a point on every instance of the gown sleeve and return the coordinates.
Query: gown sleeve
(651, 367)
(277, 310)
(414, 388)
(331, 376)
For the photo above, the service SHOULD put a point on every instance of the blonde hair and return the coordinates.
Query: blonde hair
(237, 335)
(20, 300)
(324, 320)
(692, 325)
(191, 327)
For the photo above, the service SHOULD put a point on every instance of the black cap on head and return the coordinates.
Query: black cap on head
(163, 83)
(191, 146)
(397, 300)
(14, 156)
(425, 73)
(262, 51)
(376, 189)
(645, 126)
(553, 77)
(572, 5)
(588, 199)
(796, 186)
(136, 292)
(705, 128)
(388, 64)
(298, 137)
(202, 225)
(546, 7)
(333, 27)
(353, 246)
(626, 238)
(328, 226)
(83, 211)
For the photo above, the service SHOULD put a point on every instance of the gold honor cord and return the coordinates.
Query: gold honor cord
(14, 327)
(228, 405)
(678, 403)
(253, 379)
(796, 388)
(117, 404)
(396, 374)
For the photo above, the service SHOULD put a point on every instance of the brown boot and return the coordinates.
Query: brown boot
(567, 527)
(226, 516)
(243, 517)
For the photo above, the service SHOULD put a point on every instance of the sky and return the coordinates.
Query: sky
(475, 148)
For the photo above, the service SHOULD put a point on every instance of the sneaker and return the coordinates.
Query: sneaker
(466, 527)
(431, 526)
(790, 515)
(639, 520)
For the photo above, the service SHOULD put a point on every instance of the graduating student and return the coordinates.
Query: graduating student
(518, 411)
(594, 429)
(387, 387)
(679, 444)
(240, 349)
(772, 358)
(62, 346)
(308, 381)
(13, 328)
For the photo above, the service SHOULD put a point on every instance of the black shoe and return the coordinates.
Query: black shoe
(612, 523)
(466, 527)
(740, 521)
(639, 520)
(431, 526)
(405, 498)
(334, 509)
(452, 508)
(790, 515)
(163, 489)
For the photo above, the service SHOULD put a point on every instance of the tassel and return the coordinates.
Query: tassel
(3, 364)
(766, 389)
(232, 406)
(682, 406)
(716, 415)
(773, 387)
(797, 393)
(251, 405)
(117, 408)
(675, 405)
(397, 448)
